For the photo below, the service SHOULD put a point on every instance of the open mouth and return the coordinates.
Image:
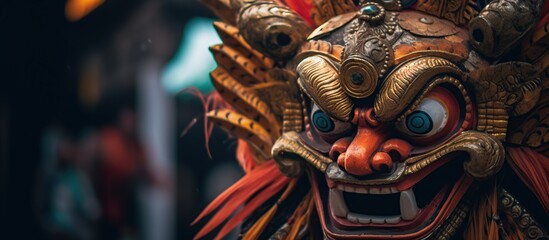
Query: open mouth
(409, 205)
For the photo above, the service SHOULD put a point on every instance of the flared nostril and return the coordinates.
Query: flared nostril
(397, 148)
(382, 162)
(341, 160)
(339, 147)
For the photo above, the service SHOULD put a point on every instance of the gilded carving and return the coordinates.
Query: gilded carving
(501, 24)
(319, 79)
(457, 11)
(504, 89)
(402, 85)
(324, 10)
(486, 154)
(289, 151)
(391, 120)
(275, 30)
(530, 228)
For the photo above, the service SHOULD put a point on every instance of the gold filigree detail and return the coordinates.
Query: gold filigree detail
(375, 50)
(292, 118)
(457, 11)
(289, 151)
(324, 10)
(531, 129)
(486, 154)
(505, 89)
(319, 79)
(529, 227)
(450, 226)
(502, 24)
(363, 29)
(436, 82)
(359, 76)
(403, 84)
(274, 30)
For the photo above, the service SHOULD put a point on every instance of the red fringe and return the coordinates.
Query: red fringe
(301, 7)
(209, 102)
(533, 169)
(265, 176)
(250, 207)
(244, 156)
(544, 16)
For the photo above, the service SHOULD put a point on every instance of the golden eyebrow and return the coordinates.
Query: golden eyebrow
(319, 79)
(404, 84)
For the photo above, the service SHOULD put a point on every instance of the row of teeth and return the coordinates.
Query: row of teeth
(408, 207)
(371, 190)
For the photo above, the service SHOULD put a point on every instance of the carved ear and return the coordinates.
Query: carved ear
(274, 30)
(501, 24)
(505, 89)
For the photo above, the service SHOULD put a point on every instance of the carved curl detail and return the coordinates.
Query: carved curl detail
(275, 30)
(289, 152)
(501, 24)
(505, 89)
(529, 227)
(486, 154)
(402, 85)
(319, 79)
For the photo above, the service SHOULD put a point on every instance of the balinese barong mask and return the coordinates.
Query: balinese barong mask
(391, 119)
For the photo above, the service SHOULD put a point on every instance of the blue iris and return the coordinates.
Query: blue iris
(419, 122)
(322, 122)
(407, 3)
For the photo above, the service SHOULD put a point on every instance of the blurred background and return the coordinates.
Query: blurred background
(101, 119)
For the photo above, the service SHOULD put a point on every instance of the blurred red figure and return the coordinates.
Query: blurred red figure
(122, 169)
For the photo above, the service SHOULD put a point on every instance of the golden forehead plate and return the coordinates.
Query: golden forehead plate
(332, 24)
(426, 25)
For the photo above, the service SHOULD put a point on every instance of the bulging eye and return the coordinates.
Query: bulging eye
(435, 117)
(322, 122)
(326, 126)
(428, 119)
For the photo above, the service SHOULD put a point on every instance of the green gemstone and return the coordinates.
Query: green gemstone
(371, 10)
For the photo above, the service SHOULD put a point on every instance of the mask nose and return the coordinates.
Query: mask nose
(368, 151)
